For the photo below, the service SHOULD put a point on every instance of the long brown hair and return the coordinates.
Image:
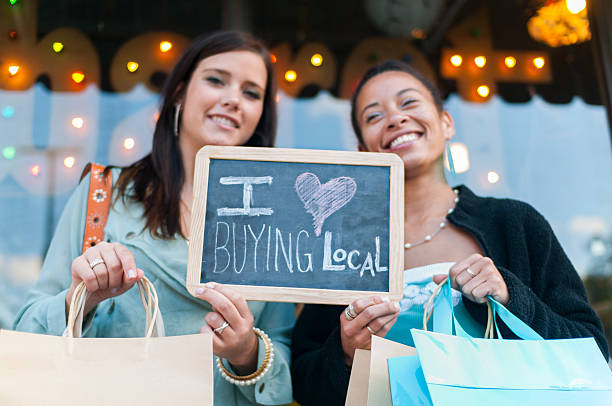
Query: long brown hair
(157, 179)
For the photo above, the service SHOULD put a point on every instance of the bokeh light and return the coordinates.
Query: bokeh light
(129, 143)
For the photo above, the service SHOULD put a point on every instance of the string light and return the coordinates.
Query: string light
(538, 62)
(165, 46)
(273, 58)
(510, 62)
(291, 76)
(35, 170)
(69, 161)
(492, 177)
(13, 69)
(78, 122)
(483, 91)
(8, 112)
(132, 66)
(12, 34)
(78, 77)
(575, 6)
(9, 152)
(316, 60)
(129, 143)
(58, 47)
(456, 60)
(480, 61)
(13, 2)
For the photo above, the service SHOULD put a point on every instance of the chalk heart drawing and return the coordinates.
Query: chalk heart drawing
(324, 200)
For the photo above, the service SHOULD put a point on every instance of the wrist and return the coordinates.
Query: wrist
(252, 378)
(247, 362)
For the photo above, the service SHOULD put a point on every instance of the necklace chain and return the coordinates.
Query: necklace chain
(441, 227)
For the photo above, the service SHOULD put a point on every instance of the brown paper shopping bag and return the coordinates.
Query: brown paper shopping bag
(369, 381)
(38, 369)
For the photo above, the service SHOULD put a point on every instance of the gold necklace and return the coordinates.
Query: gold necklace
(442, 225)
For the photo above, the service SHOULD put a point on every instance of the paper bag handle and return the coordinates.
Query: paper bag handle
(154, 322)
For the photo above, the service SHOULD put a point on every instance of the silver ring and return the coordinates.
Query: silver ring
(220, 329)
(349, 312)
(468, 270)
(95, 262)
(370, 330)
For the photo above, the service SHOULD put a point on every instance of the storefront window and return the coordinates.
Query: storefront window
(541, 135)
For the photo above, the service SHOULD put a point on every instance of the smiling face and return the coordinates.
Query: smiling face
(223, 101)
(396, 113)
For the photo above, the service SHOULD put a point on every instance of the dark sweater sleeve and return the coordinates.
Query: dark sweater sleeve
(548, 293)
(320, 376)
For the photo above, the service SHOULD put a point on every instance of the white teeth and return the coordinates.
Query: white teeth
(223, 121)
(403, 139)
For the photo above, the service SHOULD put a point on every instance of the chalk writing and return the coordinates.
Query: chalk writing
(321, 201)
(247, 196)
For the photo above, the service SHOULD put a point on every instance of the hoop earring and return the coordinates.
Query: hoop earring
(451, 164)
(177, 112)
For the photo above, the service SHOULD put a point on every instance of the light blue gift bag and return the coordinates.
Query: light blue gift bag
(456, 369)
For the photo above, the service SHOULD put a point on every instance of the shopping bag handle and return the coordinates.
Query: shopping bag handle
(446, 322)
(148, 295)
(516, 325)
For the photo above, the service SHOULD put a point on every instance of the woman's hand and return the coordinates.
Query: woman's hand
(373, 315)
(477, 277)
(236, 342)
(113, 273)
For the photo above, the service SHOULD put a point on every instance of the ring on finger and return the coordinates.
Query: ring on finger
(95, 262)
(219, 330)
(349, 312)
(468, 270)
(370, 330)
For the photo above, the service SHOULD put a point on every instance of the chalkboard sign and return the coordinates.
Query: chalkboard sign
(297, 225)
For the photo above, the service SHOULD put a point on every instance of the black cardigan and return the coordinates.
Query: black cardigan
(545, 292)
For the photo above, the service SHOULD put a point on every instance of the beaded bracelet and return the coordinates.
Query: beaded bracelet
(256, 376)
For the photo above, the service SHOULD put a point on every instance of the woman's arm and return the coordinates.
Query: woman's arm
(45, 308)
(546, 292)
(276, 320)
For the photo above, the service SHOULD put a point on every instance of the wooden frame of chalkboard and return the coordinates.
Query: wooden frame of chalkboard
(244, 174)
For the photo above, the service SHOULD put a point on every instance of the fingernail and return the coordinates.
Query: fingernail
(200, 291)
(131, 273)
(396, 305)
(211, 285)
(114, 290)
(385, 299)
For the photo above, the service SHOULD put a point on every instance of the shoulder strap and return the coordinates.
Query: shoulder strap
(98, 205)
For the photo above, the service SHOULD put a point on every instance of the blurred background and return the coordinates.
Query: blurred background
(528, 83)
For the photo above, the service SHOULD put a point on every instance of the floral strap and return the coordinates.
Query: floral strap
(98, 205)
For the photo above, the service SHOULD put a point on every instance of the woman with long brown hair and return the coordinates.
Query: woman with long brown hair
(221, 92)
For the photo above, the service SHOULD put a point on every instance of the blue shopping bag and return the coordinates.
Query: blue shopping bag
(461, 370)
